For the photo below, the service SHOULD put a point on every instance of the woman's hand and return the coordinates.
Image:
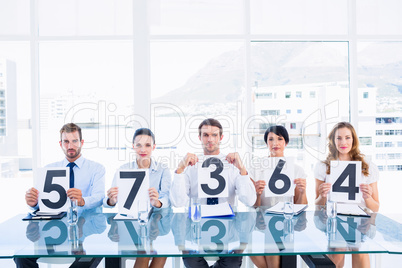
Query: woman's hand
(324, 189)
(366, 190)
(300, 185)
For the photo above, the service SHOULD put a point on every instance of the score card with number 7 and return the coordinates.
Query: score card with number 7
(133, 186)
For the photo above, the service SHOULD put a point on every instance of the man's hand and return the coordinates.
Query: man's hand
(234, 159)
(154, 197)
(76, 194)
(112, 196)
(31, 197)
(189, 159)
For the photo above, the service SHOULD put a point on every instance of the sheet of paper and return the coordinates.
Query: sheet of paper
(278, 208)
(350, 209)
(222, 209)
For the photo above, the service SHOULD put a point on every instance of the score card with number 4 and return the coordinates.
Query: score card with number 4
(52, 184)
(280, 177)
(133, 185)
(345, 178)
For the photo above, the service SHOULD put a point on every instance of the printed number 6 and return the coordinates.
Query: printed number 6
(214, 175)
(277, 175)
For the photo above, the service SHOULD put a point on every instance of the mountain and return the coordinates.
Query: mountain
(284, 63)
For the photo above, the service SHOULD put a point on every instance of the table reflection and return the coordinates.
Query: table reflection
(213, 235)
(57, 237)
(135, 238)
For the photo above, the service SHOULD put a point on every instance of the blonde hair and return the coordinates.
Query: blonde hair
(354, 153)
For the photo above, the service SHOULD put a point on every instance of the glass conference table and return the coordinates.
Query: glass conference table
(250, 232)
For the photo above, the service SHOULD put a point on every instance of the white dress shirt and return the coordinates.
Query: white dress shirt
(89, 177)
(320, 173)
(185, 186)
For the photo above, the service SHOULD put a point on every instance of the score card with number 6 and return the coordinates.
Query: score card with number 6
(280, 177)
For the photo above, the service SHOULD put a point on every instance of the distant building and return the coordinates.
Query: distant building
(303, 110)
(8, 119)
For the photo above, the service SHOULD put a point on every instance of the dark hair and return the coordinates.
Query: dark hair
(210, 122)
(69, 128)
(278, 130)
(144, 131)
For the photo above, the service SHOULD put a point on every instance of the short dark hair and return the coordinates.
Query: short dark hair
(69, 128)
(210, 122)
(278, 130)
(144, 131)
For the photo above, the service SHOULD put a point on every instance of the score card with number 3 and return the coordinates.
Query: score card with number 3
(212, 178)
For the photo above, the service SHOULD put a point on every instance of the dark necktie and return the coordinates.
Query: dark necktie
(71, 165)
(212, 200)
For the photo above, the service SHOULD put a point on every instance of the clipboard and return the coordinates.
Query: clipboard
(33, 216)
(351, 210)
(278, 209)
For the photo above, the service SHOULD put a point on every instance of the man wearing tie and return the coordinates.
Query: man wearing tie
(87, 178)
(185, 183)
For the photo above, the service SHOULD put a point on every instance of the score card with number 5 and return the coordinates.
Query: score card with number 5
(280, 177)
(345, 178)
(133, 185)
(52, 184)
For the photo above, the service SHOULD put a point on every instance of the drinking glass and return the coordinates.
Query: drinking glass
(72, 212)
(331, 209)
(288, 210)
(195, 210)
(143, 211)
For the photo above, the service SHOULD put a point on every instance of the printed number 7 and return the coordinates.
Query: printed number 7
(139, 177)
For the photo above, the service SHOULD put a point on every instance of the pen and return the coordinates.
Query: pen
(42, 218)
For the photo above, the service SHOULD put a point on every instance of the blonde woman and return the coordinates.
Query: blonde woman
(344, 146)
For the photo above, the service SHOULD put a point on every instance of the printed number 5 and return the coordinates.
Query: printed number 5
(214, 175)
(49, 187)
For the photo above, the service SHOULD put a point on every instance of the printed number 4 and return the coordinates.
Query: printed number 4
(352, 189)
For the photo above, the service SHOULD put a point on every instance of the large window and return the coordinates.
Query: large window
(251, 64)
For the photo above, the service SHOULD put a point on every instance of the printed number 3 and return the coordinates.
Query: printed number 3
(214, 175)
